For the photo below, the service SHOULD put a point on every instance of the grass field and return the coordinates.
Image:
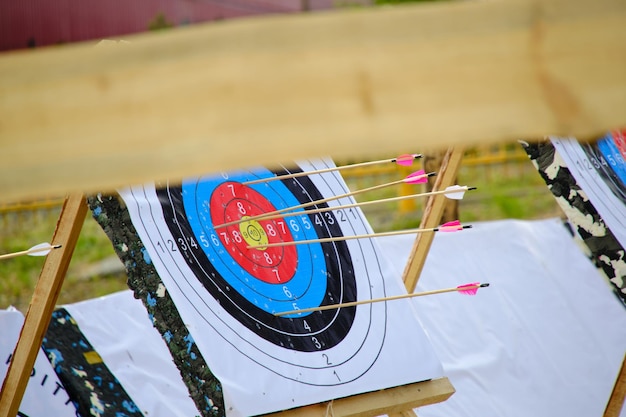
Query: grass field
(19, 275)
(504, 191)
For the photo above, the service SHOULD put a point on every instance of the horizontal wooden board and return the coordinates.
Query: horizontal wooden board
(392, 400)
(350, 83)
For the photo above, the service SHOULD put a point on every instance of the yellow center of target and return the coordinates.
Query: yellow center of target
(253, 233)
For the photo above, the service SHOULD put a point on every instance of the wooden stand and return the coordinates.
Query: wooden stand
(616, 400)
(42, 304)
(388, 401)
(431, 218)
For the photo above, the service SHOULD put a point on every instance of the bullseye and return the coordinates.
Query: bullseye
(253, 233)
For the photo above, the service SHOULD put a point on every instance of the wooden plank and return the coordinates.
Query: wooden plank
(347, 83)
(405, 413)
(42, 304)
(392, 400)
(616, 400)
(431, 217)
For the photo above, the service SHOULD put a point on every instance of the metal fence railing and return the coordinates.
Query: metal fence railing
(15, 216)
(508, 187)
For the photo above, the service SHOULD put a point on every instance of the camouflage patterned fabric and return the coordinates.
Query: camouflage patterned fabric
(204, 388)
(605, 251)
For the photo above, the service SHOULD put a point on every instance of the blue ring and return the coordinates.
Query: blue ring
(272, 298)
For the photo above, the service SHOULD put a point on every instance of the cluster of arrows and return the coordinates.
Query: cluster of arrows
(455, 192)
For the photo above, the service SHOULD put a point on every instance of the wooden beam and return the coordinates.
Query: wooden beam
(42, 304)
(430, 218)
(378, 403)
(432, 215)
(370, 82)
(405, 413)
(616, 400)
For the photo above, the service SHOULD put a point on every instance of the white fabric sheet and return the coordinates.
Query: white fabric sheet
(118, 328)
(546, 339)
(44, 396)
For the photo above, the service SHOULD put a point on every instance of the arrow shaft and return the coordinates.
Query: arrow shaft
(31, 251)
(325, 170)
(14, 254)
(264, 216)
(311, 203)
(365, 203)
(340, 238)
(376, 300)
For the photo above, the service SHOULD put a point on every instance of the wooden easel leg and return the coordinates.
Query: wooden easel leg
(377, 403)
(405, 413)
(431, 218)
(42, 304)
(616, 401)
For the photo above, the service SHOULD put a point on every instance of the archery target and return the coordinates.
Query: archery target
(224, 288)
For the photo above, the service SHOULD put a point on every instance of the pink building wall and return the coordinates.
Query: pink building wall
(28, 23)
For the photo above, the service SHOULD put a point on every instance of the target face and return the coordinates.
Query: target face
(235, 289)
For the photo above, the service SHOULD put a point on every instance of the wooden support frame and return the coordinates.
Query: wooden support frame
(618, 395)
(431, 218)
(378, 403)
(42, 304)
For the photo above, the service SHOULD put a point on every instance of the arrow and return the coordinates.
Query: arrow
(455, 192)
(41, 249)
(453, 226)
(467, 289)
(403, 160)
(417, 177)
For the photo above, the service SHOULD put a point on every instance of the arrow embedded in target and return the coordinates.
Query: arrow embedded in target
(466, 289)
(41, 249)
(403, 160)
(454, 192)
(417, 177)
(453, 226)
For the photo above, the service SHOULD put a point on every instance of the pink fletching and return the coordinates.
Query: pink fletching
(471, 291)
(405, 160)
(452, 226)
(418, 177)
